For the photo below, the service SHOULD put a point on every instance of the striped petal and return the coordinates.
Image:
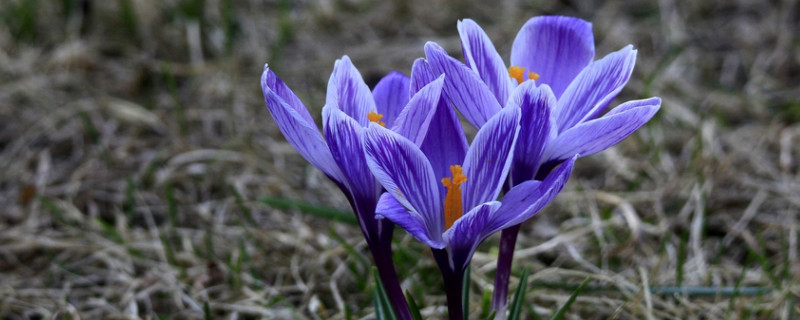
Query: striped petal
(536, 128)
(421, 75)
(343, 135)
(599, 134)
(594, 88)
(445, 143)
(297, 126)
(405, 173)
(555, 47)
(415, 118)
(389, 208)
(468, 232)
(489, 158)
(462, 86)
(526, 199)
(271, 81)
(482, 57)
(348, 92)
(391, 95)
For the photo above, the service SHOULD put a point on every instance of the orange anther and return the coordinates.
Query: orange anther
(516, 72)
(376, 117)
(452, 200)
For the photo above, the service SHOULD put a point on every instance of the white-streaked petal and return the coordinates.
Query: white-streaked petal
(404, 172)
(348, 92)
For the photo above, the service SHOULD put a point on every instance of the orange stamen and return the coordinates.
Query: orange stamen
(452, 200)
(376, 117)
(516, 72)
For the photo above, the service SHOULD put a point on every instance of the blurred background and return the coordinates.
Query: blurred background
(141, 176)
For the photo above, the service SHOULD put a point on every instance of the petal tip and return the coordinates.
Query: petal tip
(432, 46)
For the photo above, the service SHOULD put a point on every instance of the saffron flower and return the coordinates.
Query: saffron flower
(562, 112)
(445, 193)
(349, 107)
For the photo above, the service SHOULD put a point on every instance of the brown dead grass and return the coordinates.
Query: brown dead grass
(133, 155)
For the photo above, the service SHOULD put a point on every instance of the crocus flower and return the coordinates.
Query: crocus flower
(444, 194)
(349, 107)
(555, 54)
(561, 117)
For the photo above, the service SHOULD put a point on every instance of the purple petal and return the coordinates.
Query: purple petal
(413, 222)
(344, 140)
(348, 92)
(415, 118)
(405, 173)
(421, 75)
(526, 199)
(468, 232)
(271, 81)
(489, 157)
(594, 88)
(295, 124)
(482, 57)
(462, 86)
(597, 135)
(536, 128)
(555, 47)
(391, 95)
(445, 143)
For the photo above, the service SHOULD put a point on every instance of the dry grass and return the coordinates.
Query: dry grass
(135, 145)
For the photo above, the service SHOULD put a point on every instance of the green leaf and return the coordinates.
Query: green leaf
(465, 292)
(323, 212)
(412, 305)
(565, 307)
(486, 305)
(519, 296)
(383, 308)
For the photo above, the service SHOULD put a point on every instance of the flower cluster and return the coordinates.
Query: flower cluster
(400, 155)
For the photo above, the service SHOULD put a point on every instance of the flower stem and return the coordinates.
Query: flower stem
(382, 254)
(378, 233)
(453, 284)
(505, 257)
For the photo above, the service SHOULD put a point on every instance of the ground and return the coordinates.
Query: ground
(141, 172)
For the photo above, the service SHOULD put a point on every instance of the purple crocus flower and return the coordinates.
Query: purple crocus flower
(562, 112)
(349, 107)
(444, 193)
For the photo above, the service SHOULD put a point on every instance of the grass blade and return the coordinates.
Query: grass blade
(322, 212)
(383, 308)
(412, 305)
(519, 296)
(565, 307)
(486, 305)
(465, 293)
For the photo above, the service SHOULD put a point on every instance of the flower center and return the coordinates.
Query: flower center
(376, 117)
(452, 201)
(518, 73)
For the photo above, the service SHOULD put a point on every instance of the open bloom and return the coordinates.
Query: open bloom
(563, 99)
(449, 202)
(562, 112)
(349, 107)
